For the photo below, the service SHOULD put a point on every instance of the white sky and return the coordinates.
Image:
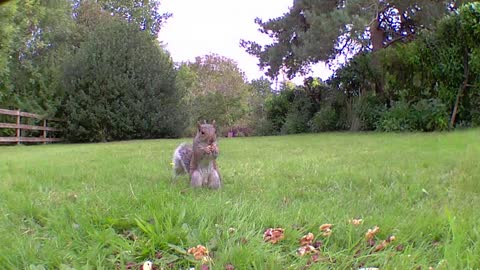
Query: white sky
(200, 27)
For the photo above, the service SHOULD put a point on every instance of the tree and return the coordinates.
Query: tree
(8, 30)
(456, 53)
(33, 53)
(214, 88)
(120, 85)
(439, 65)
(320, 30)
(143, 13)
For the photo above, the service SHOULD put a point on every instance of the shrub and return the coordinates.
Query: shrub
(264, 127)
(299, 113)
(424, 115)
(369, 110)
(399, 117)
(324, 120)
(430, 115)
(277, 107)
(120, 85)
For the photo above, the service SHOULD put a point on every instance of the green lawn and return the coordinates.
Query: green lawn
(102, 206)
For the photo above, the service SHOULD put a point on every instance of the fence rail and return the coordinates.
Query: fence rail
(18, 126)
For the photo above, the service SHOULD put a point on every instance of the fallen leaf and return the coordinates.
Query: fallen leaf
(371, 232)
(380, 246)
(198, 252)
(326, 229)
(391, 238)
(308, 249)
(356, 221)
(384, 243)
(307, 239)
(371, 242)
(326, 226)
(273, 235)
(318, 244)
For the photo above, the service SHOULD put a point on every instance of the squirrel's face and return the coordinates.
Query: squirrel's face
(207, 133)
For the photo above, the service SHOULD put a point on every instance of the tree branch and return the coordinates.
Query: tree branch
(398, 39)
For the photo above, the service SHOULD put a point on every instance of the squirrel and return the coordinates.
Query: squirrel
(199, 160)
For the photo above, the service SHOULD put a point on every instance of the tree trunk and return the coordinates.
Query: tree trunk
(377, 35)
(377, 38)
(461, 89)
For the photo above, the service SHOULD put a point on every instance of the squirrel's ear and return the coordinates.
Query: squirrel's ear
(198, 125)
(213, 123)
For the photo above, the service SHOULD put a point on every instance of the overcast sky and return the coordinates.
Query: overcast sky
(202, 27)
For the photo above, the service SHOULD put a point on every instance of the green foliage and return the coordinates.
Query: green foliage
(120, 85)
(400, 117)
(299, 113)
(424, 115)
(213, 87)
(324, 120)
(263, 127)
(33, 48)
(146, 15)
(369, 109)
(431, 115)
(8, 31)
(277, 107)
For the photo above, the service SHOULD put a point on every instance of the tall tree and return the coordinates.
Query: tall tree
(146, 14)
(320, 30)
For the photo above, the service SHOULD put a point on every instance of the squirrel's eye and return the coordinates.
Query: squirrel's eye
(203, 133)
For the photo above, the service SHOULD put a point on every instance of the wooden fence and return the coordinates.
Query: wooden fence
(18, 126)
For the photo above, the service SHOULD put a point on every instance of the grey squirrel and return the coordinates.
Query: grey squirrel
(199, 160)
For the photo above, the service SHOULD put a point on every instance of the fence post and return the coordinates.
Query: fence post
(45, 131)
(18, 127)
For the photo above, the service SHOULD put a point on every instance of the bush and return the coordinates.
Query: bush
(264, 127)
(431, 114)
(299, 113)
(369, 109)
(324, 120)
(277, 107)
(424, 115)
(399, 117)
(120, 85)
(295, 122)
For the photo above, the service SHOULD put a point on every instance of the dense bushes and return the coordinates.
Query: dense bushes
(424, 115)
(324, 120)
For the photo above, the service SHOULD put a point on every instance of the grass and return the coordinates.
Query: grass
(106, 206)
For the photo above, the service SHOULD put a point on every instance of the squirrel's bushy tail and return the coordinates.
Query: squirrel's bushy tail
(181, 159)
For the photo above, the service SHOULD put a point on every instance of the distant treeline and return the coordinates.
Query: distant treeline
(99, 65)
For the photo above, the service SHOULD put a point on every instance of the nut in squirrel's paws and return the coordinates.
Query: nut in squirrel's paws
(211, 149)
